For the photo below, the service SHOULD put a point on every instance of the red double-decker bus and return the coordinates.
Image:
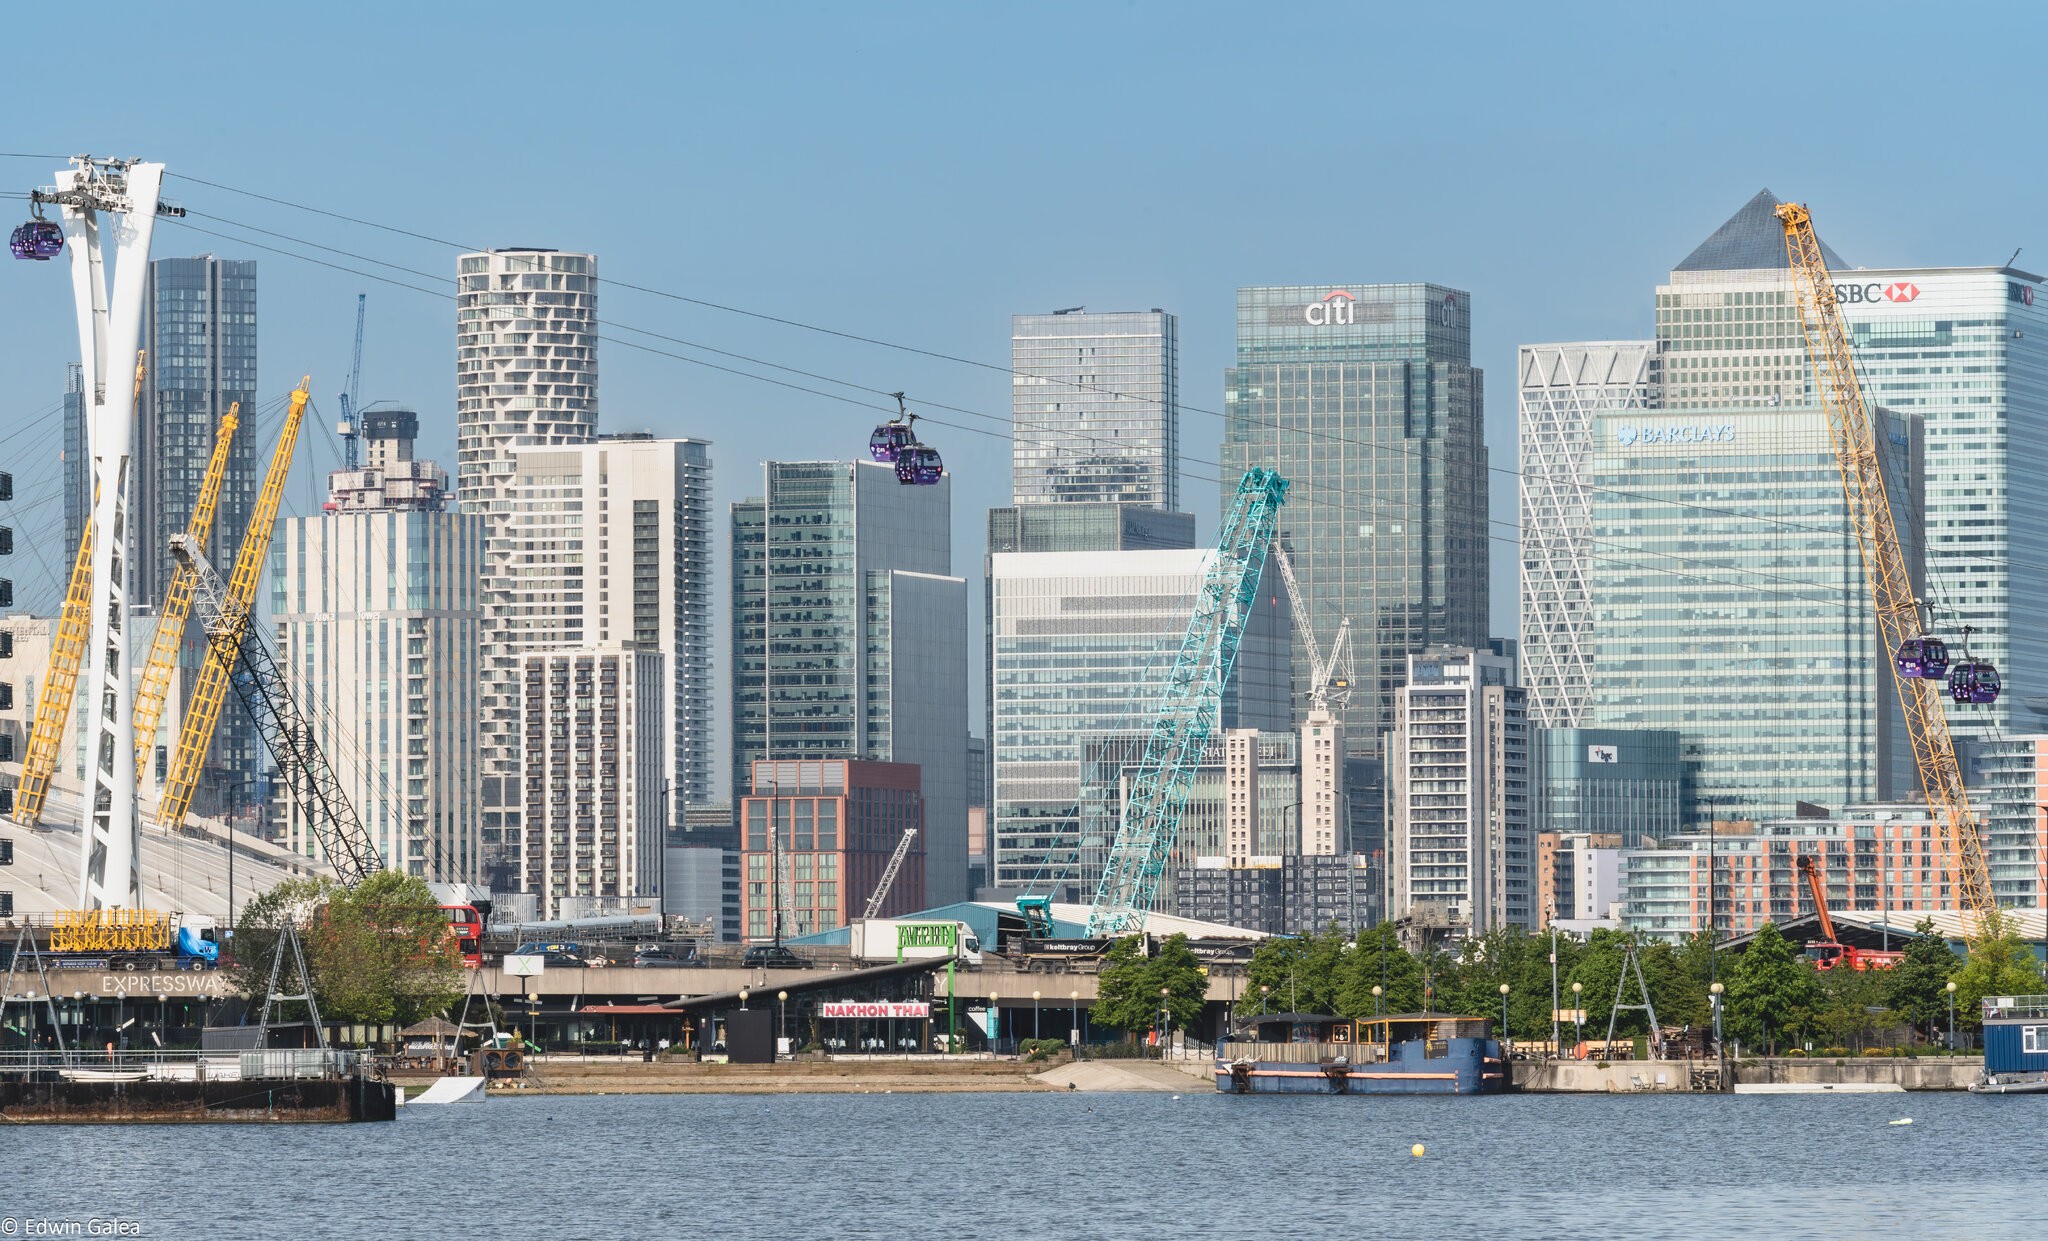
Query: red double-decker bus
(466, 928)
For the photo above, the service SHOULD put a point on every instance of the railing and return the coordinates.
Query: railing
(87, 1064)
(1303, 1053)
(2005, 1006)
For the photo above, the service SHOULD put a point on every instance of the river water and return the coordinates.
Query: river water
(1148, 1166)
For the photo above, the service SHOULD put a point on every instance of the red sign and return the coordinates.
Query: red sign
(1902, 291)
(912, 1009)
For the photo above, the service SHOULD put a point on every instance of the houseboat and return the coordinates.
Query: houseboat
(2015, 1045)
(1402, 1053)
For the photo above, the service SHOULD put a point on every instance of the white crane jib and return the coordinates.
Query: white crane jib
(1329, 679)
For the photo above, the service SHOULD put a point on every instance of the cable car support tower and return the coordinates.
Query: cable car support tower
(117, 197)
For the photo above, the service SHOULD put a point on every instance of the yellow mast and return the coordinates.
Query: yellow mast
(204, 712)
(155, 681)
(1884, 563)
(60, 683)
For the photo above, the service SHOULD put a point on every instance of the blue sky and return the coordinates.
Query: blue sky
(918, 173)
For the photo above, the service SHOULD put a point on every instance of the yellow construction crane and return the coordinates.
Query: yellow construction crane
(1899, 612)
(204, 711)
(60, 683)
(155, 682)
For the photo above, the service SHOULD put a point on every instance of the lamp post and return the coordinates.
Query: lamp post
(1379, 1000)
(1553, 980)
(781, 1017)
(532, 1020)
(995, 1020)
(1951, 1017)
(1579, 1014)
(1165, 1022)
(1713, 921)
(1034, 1014)
(743, 999)
(1264, 992)
(1503, 1012)
(163, 1021)
(1074, 1017)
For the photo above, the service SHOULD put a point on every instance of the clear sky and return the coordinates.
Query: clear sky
(918, 173)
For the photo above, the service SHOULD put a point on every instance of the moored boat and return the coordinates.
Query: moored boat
(1403, 1053)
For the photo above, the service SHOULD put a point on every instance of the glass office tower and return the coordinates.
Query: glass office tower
(849, 637)
(1096, 403)
(1738, 614)
(1365, 398)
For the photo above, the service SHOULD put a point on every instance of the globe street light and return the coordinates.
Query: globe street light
(1074, 1017)
(1034, 1014)
(1264, 991)
(995, 1020)
(1165, 1022)
(781, 1017)
(1578, 1015)
(743, 999)
(1715, 998)
(1951, 1017)
(1503, 1011)
(1379, 1007)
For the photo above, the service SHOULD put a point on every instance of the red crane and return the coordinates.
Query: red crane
(1830, 953)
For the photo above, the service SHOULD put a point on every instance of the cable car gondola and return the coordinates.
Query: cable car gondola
(919, 466)
(1972, 680)
(39, 239)
(893, 436)
(1925, 658)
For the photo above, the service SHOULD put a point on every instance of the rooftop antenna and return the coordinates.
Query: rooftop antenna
(2015, 255)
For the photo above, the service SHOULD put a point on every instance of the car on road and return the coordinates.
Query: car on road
(667, 956)
(773, 957)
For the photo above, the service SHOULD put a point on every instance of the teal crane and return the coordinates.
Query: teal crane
(1188, 709)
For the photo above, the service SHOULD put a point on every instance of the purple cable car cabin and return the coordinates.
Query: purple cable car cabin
(1925, 658)
(919, 466)
(889, 441)
(1973, 682)
(40, 240)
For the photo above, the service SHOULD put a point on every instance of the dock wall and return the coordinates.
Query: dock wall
(281, 1101)
(1649, 1076)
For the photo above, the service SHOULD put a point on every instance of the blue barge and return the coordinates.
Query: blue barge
(1404, 1053)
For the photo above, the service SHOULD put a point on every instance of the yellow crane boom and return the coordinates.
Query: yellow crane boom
(204, 712)
(60, 682)
(1884, 562)
(155, 682)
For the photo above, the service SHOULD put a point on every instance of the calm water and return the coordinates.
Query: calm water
(797, 1168)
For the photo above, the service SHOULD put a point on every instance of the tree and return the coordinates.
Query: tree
(1772, 991)
(2000, 963)
(1301, 972)
(1127, 989)
(1377, 959)
(1917, 987)
(379, 953)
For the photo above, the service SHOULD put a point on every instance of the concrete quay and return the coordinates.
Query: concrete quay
(1763, 1074)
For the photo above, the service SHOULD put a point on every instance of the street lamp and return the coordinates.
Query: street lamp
(1074, 1017)
(1034, 1014)
(1951, 1017)
(1379, 1007)
(1715, 997)
(995, 1020)
(1579, 1014)
(1264, 991)
(1503, 1011)
(782, 1016)
(743, 999)
(1553, 980)
(1165, 1021)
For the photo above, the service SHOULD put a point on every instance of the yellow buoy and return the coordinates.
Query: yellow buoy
(1416, 1150)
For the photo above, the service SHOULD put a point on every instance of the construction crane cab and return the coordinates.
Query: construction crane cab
(1830, 952)
(1037, 912)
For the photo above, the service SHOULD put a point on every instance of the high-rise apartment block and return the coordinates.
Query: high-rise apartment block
(1563, 388)
(199, 337)
(611, 544)
(592, 755)
(849, 637)
(1095, 406)
(1460, 849)
(1365, 398)
(1082, 642)
(525, 374)
(378, 618)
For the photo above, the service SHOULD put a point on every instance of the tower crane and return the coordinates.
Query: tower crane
(1324, 805)
(1329, 678)
(60, 682)
(154, 684)
(203, 712)
(881, 892)
(1188, 709)
(1884, 565)
(238, 647)
(348, 429)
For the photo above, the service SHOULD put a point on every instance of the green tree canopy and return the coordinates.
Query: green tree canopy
(379, 953)
(2000, 963)
(1772, 992)
(1917, 987)
(1377, 959)
(1127, 989)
